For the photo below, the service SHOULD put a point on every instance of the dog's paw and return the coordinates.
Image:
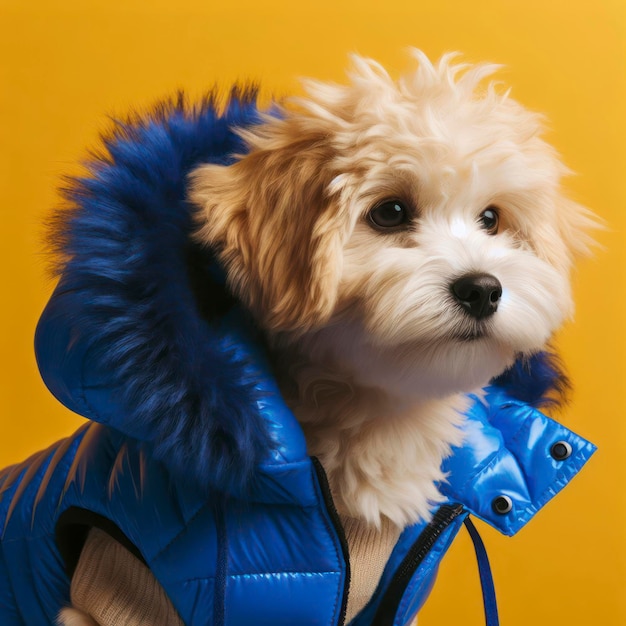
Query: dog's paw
(74, 617)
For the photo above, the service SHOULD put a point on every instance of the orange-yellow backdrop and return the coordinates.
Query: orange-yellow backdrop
(66, 64)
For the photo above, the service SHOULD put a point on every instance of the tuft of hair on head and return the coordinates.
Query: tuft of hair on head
(462, 78)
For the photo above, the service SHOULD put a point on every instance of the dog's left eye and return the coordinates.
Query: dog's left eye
(489, 220)
(389, 214)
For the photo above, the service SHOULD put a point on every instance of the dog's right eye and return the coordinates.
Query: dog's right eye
(389, 214)
(489, 220)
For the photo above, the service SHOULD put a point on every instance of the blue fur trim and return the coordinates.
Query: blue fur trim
(538, 380)
(142, 291)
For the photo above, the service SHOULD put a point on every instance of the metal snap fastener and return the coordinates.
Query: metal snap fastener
(561, 450)
(502, 505)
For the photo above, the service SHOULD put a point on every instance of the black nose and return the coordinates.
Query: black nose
(478, 294)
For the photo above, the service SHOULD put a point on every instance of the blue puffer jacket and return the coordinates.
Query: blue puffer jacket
(191, 458)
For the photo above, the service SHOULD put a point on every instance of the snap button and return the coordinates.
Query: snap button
(502, 505)
(561, 450)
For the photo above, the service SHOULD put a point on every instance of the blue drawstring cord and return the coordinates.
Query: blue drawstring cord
(486, 579)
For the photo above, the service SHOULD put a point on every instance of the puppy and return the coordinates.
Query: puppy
(400, 243)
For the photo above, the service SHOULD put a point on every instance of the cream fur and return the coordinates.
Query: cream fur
(372, 351)
(74, 617)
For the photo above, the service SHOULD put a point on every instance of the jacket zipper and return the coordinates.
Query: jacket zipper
(387, 609)
(334, 516)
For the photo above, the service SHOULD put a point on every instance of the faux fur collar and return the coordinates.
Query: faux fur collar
(148, 296)
(145, 293)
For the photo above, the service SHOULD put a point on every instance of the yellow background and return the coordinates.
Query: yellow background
(67, 64)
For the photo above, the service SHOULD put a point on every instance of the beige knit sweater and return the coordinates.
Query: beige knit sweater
(111, 587)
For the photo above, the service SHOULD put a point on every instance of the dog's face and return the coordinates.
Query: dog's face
(414, 231)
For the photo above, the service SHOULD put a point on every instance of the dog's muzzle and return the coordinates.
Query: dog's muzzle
(478, 294)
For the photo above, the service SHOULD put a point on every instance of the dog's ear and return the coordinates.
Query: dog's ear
(275, 225)
(575, 223)
(566, 236)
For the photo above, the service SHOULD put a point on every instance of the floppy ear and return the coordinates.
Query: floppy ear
(566, 236)
(277, 229)
(560, 230)
(575, 224)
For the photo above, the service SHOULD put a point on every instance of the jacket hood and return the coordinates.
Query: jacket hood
(141, 333)
(139, 297)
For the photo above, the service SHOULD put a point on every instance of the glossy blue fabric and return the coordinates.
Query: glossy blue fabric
(270, 558)
(191, 451)
(222, 561)
(508, 446)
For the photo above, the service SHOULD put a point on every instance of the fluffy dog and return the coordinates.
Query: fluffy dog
(400, 243)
